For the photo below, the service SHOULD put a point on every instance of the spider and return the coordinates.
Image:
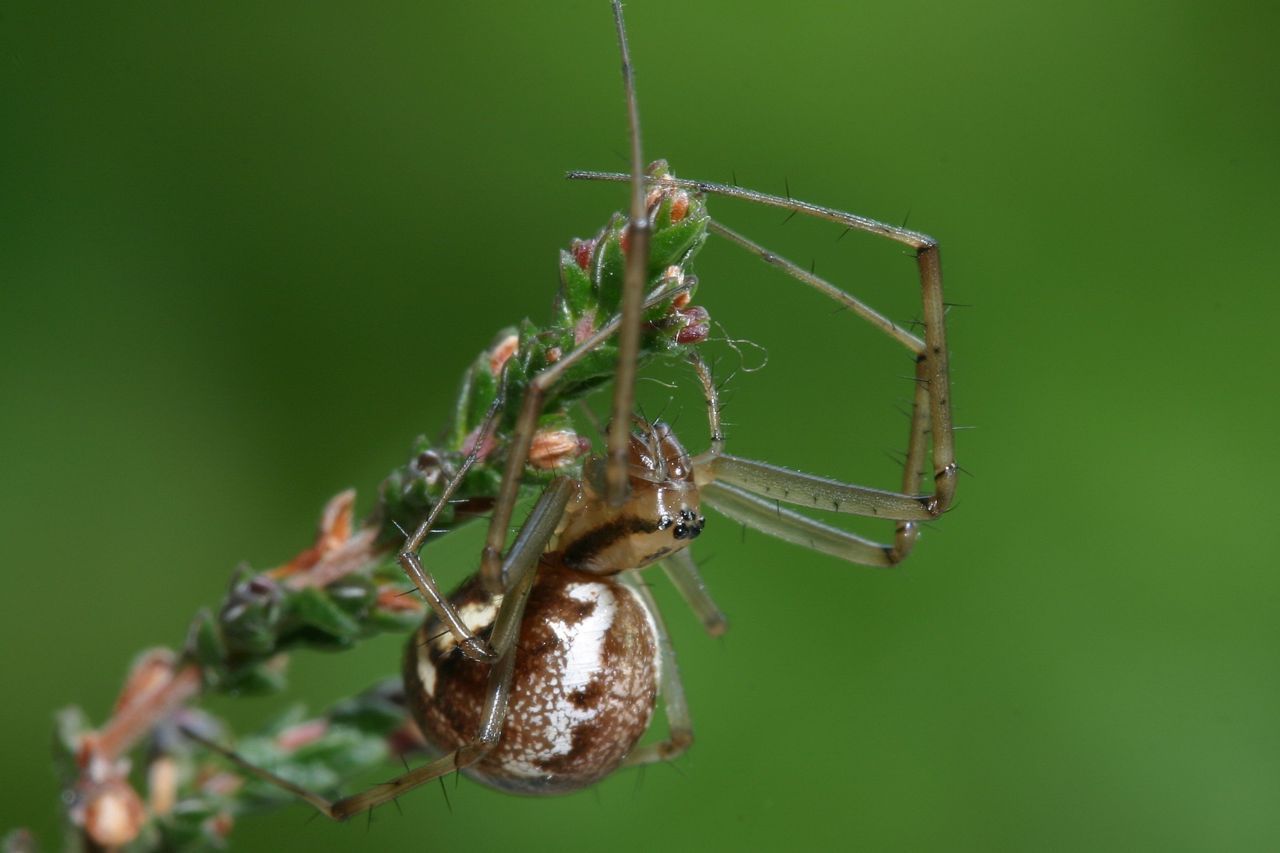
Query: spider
(541, 673)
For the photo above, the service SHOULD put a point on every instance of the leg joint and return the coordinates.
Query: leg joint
(944, 491)
(926, 245)
(676, 744)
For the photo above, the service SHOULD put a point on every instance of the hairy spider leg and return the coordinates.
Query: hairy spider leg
(670, 688)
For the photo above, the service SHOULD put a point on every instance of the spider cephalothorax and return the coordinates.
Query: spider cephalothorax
(661, 514)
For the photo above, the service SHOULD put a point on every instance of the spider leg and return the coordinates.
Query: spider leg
(639, 232)
(682, 570)
(472, 646)
(790, 526)
(521, 566)
(794, 487)
(931, 403)
(679, 724)
(751, 493)
(627, 325)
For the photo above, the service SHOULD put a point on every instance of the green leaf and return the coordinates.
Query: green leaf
(207, 648)
(612, 271)
(674, 244)
(577, 297)
(313, 607)
(258, 679)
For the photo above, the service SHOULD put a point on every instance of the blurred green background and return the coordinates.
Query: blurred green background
(246, 250)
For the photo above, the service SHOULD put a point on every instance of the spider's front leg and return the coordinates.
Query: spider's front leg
(931, 405)
(751, 493)
(931, 409)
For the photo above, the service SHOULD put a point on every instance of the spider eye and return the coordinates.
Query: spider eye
(681, 531)
(664, 522)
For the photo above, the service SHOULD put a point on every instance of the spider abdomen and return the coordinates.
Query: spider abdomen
(586, 675)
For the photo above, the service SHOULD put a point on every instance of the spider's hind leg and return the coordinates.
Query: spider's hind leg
(521, 567)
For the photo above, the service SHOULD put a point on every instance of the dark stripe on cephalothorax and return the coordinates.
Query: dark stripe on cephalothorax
(604, 536)
(654, 557)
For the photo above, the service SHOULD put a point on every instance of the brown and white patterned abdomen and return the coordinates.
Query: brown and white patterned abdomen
(586, 676)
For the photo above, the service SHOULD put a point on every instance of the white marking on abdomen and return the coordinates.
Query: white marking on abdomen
(582, 644)
(476, 616)
(426, 672)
